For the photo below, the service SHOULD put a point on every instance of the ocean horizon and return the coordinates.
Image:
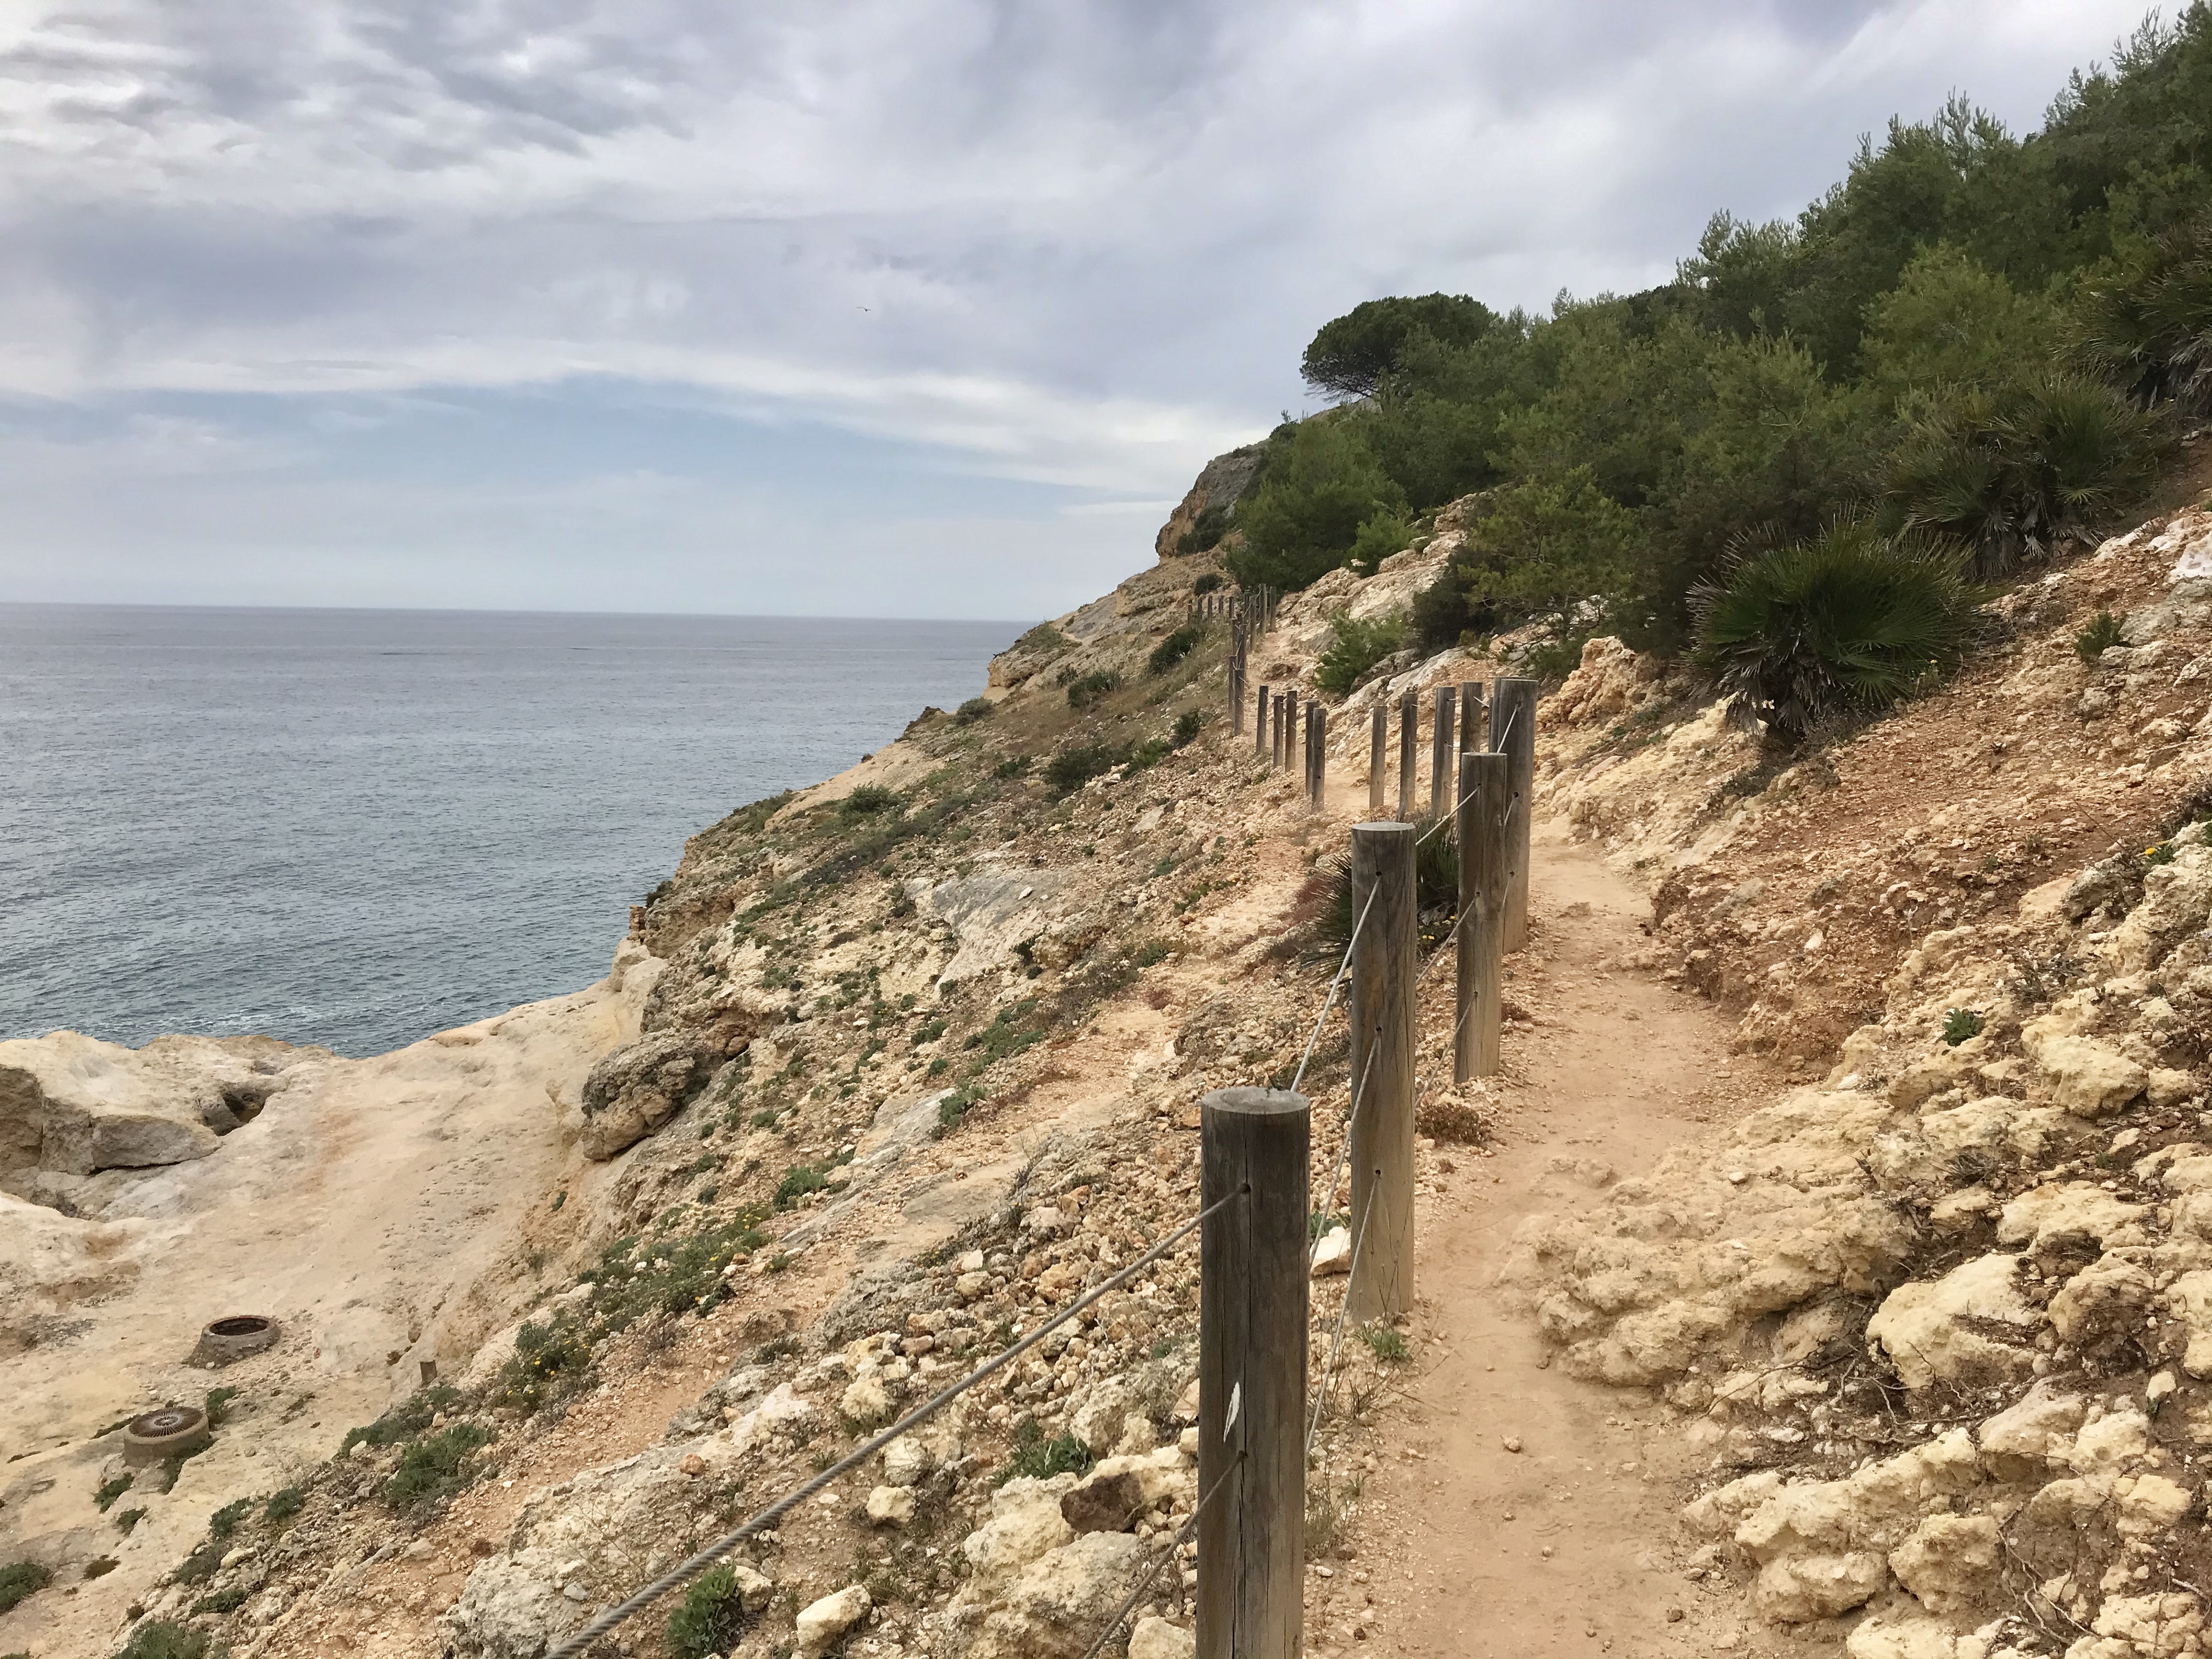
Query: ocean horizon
(355, 827)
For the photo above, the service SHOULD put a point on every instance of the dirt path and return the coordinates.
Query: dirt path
(1514, 1511)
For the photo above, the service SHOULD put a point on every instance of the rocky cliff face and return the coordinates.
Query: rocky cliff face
(912, 1057)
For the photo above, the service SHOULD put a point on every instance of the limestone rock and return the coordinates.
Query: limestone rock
(891, 1506)
(1155, 1639)
(1797, 1589)
(823, 1622)
(1103, 1503)
(1097, 1421)
(638, 1087)
(780, 1412)
(1901, 1633)
(2160, 1625)
(72, 1105)
(2036, 1429)
(906, 1460)
(2069, 1206)
(1025, 1523)
(1333, 1255)
(2087, 1077)
(866, 1401)
(1950, 1561)
(1934, 1330)
(1054, 1609)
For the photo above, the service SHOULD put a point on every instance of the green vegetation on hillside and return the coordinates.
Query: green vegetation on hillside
(1976, 349)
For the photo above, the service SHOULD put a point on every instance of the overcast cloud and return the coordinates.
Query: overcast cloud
(886, 307)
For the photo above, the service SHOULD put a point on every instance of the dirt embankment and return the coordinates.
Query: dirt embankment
(923, 1062)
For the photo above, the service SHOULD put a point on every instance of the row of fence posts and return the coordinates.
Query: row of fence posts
(1243, 606)
(1254, 1283)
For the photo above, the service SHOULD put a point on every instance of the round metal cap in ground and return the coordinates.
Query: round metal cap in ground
(234, 1337)
(165, 1432)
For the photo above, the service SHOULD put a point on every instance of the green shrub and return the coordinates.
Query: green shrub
(229, 1600)
(1040, 1459)
(1299, 522)
(283, 1504)
(2101, 635)
(1168, 652)
(1213, 581)
(218, 1405)
(404, 1420)
(2016, 473)
(1379, 537)
(20, 1579)
(1042, 638)
(1188, 725)
(1959, 1025)
(436, 1465)
(635, 1280)
(799, 1180)
(1849, 622)
(710, 1619)
(1385, 1344)
(1089, 689)
(110, 1490)
(548, 1361)
(867, 800)
(128, 1519)
(2149, 324)
(225, 1521)
(1071, 769)
(1354, 646)
(1012, 767)
(161, 1639)
(975, 708)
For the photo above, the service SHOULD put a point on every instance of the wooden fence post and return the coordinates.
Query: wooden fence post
(1440, 755)
(1470, 715)
(1409, 740)
(1316, 752)
(1513, 734)
(1252, 1313)
(1290, 725)
(1377, 744)
(1483, 796)
(1259, 721)
(1382, 1017)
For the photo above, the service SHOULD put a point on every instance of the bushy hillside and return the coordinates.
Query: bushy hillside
(1983, 343)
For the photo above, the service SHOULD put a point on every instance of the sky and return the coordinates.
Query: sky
(865, 308)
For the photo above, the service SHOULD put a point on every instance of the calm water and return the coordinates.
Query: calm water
(355, 827)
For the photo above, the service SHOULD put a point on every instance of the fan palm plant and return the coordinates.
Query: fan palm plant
(2016, 472)
(1849, 621)
(2150, 328)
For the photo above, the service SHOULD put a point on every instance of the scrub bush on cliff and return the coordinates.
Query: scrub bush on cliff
(1849, 622)
(1304, 518)
(2016, 472)
(1351, 355)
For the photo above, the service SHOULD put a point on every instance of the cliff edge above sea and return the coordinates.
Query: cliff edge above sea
(1823, 1270)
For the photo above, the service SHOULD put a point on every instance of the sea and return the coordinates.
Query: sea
(357, 828)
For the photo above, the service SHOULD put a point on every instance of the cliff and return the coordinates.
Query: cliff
(896, 1065)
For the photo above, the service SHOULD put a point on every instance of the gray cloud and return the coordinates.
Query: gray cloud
(1078, 244)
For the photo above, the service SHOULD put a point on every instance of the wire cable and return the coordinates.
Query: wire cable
(1343, 969)
(684, 1572)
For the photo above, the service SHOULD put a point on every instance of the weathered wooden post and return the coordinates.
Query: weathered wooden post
(1382, 1016)
(1317, 771)
(1259, 721)
(1483, 797)
(1513, 734)
(1470, 715)
(1252, 1373)
(1377, 744)
(1290, 725)
(1409, 739)
(1440, 755)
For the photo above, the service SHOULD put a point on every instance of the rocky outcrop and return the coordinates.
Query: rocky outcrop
(71, 1106)
(1220, 484)
(634, 1090)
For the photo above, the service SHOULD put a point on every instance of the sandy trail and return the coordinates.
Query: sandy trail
(1571, 1544)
